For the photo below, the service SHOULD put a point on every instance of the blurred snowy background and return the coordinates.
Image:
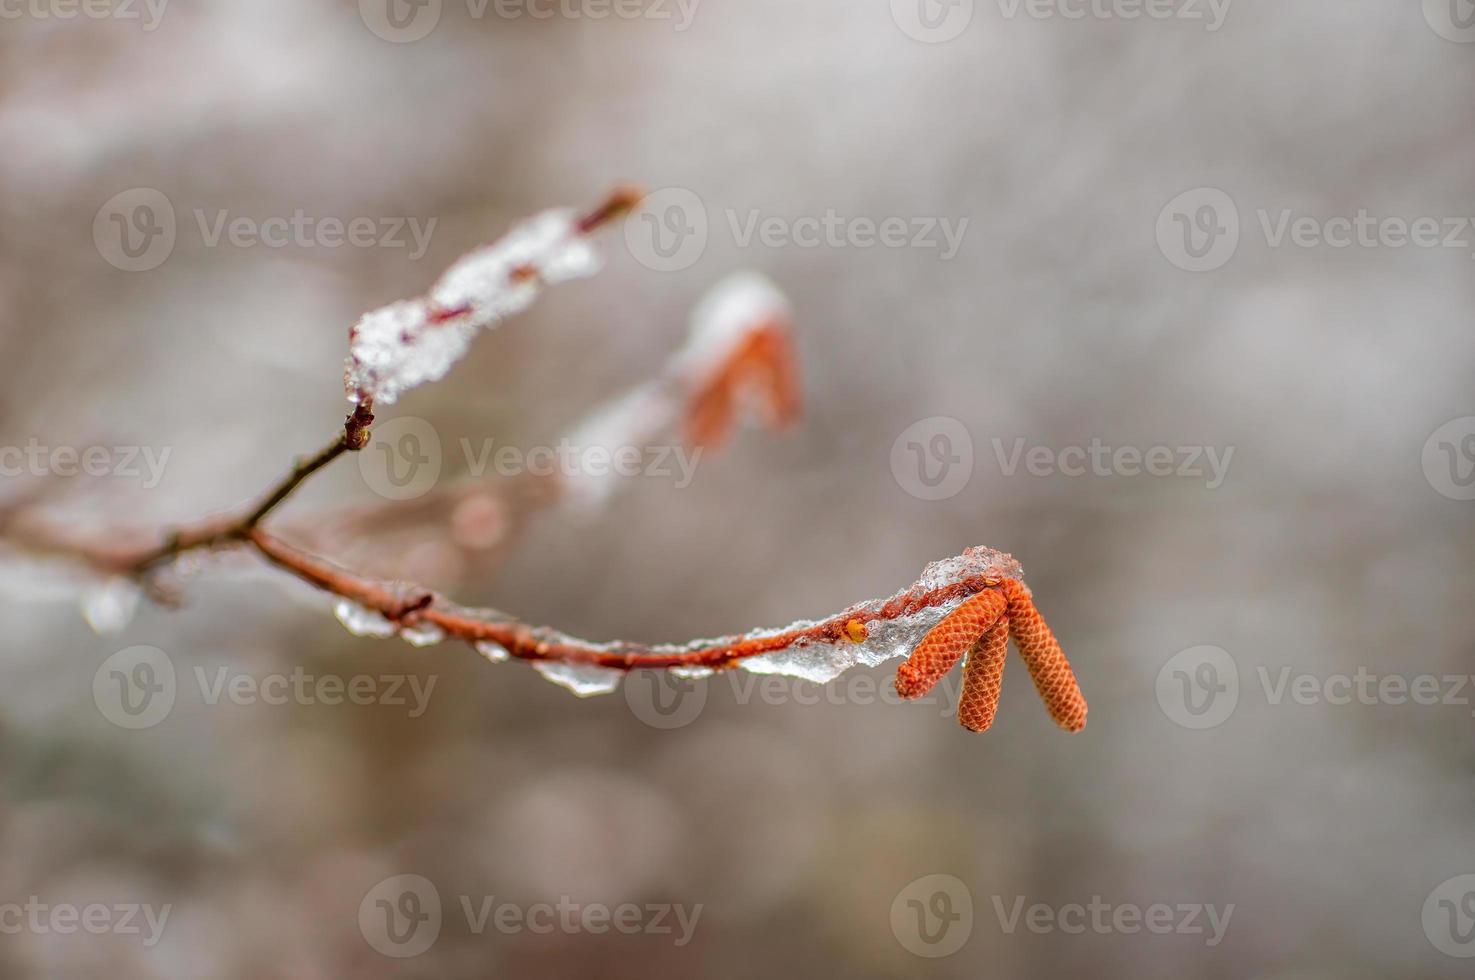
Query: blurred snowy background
(1096, 161)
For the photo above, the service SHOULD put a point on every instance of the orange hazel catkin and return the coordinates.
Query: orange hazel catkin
(946, 643)
(981, 627)
(983, 678)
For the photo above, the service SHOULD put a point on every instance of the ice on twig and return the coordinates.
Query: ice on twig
(585, 680)
(362, 622)
(884, 635)
(110, 606)
(494, 652)
(422, 634)
(691, 673)
(821, 661)
(412, 342)
(865, 635)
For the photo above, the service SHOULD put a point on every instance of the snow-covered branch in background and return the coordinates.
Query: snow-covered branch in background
(413, 342)
(738, 363)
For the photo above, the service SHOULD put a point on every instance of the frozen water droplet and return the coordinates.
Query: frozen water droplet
(362, 622)
(423, 634)
(495, 652)
(585, 680)
(110, 607)
(692, 673)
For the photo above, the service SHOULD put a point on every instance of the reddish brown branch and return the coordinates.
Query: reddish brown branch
(409, 606)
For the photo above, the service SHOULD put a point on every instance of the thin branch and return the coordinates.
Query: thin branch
(139, 562)
(412, 605)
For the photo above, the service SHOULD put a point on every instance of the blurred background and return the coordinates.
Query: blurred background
(1176, 238)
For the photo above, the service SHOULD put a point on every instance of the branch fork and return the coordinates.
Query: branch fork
(741, 357)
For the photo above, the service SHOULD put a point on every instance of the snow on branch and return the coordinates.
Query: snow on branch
(412, 342)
